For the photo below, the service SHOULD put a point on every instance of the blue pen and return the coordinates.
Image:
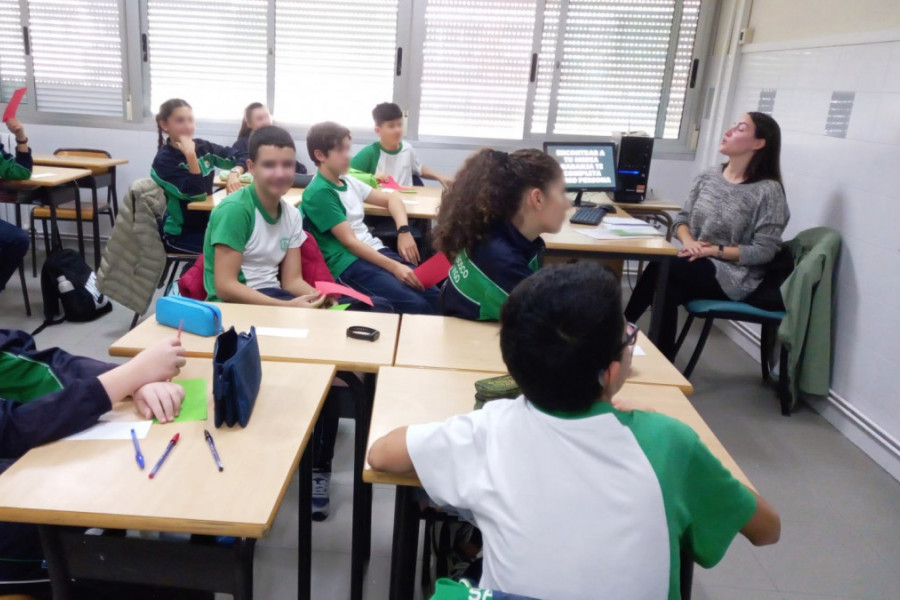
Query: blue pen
(165, 455)
(137, 450)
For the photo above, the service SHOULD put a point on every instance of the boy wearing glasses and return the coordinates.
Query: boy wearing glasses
(613, 497)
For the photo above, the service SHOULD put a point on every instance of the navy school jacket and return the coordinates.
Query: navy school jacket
(45, 395)
(170, 172)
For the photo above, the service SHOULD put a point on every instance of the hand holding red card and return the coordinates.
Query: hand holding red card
(335, 289)
(391, 184)
(13, 106)
(434, 270)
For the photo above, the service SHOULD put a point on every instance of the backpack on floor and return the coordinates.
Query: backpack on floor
(69, 288)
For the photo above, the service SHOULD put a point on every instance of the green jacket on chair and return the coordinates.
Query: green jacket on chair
(806, 330)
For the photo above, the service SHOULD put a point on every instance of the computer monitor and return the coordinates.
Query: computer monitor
(587, 166)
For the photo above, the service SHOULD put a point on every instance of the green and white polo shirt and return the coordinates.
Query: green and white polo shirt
(401, 163)
(326, 205)
(240, 222)
(598, 505)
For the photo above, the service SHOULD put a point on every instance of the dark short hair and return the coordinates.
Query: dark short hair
(325, 137)
(559, 330)
(269, 136)
(386, 111)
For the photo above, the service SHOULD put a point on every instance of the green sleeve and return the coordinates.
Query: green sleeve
(718, 505)
(323, 208)
(13, 171)
(366, 159)
(231, 224)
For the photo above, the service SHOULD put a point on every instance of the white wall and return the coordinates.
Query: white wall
(852, 185)
(782, 20)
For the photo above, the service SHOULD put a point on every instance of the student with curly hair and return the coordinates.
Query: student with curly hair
(490, 225)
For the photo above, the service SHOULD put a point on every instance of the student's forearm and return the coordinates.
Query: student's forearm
(398, 211)
(429, 174)
(298, 287)
(238, 293)
(369, 254)
(121, 382)
(193, 163)
(764, 527)
(391, 455)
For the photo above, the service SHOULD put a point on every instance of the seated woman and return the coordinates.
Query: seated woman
(730, 227)
(490, 227)
(256, 116)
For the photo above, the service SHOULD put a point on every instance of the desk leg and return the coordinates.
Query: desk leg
(659, 297)
(362, 492)
(95, 224)
(304, 531)
(243, 573)
(405, 544)
(60, 581)
(78, 224)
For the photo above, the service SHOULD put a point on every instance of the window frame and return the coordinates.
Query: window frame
(138, 114)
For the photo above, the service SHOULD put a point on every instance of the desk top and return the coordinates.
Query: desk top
(98, 484)
(568, 240)
(73, 160)
(460, 345)
(326, 340)
(423, 204)
(47, 176)
(414, 396)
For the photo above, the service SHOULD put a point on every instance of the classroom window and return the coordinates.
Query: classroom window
(12, 50)
(334, 60)
(476, 58)
(76, 51)
(212, 53)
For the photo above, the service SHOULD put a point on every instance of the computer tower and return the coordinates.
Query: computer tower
(633, 167)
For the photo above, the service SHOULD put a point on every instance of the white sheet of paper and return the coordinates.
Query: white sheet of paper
(602, 232)
(113, 430)
(628, 221)
(638, 351)
(288, 332)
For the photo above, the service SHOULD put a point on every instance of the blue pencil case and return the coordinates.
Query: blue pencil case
(200, 318)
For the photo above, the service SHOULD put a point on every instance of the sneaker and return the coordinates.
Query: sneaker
(320, 500)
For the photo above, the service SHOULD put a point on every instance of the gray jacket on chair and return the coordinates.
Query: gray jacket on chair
(134, 258)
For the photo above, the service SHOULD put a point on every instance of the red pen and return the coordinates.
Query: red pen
(165, 455)
(180, 327)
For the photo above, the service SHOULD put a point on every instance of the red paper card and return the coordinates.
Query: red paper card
(13, 106)
(391, 184)
(336, 289)
(434, 270)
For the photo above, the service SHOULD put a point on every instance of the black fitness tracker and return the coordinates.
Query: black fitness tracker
(403, 229)
(358, 332)
(721, 251)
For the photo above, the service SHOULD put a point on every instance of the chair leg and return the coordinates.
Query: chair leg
(765, 343)
(172, 274)
(24, 288)
(707, 327)
(95, 225)
(46, 236)
(784, 392)
(32, 232)
(134, 321)
(683, 335)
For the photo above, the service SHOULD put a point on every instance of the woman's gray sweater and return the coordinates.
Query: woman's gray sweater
(751, 216)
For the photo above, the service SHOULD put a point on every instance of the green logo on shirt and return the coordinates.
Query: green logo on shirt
(284, 244)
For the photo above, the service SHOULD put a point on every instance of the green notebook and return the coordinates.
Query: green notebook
(194, 406)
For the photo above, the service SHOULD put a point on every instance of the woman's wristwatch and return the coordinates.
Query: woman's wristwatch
(403, 229)
(721, 253)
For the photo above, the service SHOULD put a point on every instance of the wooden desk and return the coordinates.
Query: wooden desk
(98, 484)
(457, 344)
(415, 396)
(45, 178)
(95, 163)
(326, 342)
(424, 204)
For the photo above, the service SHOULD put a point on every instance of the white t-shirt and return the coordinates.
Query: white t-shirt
(401, 164)
(353, 198)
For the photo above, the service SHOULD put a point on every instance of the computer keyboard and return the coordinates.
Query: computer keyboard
(589, 216)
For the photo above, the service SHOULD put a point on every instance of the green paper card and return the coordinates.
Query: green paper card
(339, 307)
(193, 408)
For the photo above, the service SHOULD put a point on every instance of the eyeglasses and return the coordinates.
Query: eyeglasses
(632, 334)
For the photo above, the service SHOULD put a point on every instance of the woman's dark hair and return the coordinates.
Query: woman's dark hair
(245, 130)
(559, 330)
(488, 190)
(165, 111)
(766, 162)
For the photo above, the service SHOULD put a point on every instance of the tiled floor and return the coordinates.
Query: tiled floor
(840, 511)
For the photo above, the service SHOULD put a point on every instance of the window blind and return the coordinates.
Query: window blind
(212, 53)
(334, 60)
(684, 54)
(613, 66)
(76, 50)
(476, 59)
(546, 66)
(12, 51)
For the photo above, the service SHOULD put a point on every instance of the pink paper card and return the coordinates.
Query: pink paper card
(336, 289)
(434, 270)
(13, 106)
(391, 184)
